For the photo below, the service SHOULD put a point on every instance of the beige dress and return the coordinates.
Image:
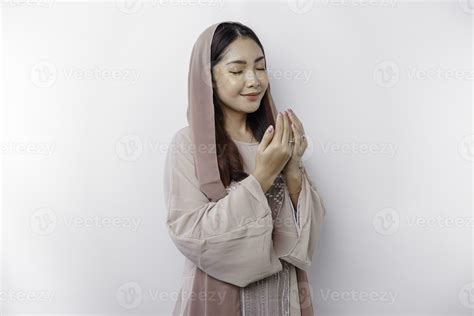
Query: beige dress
(248, 238)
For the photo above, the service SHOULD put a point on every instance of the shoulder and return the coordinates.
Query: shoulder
(182, 136)
(181, 145)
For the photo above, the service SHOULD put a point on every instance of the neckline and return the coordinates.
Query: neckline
(244, 143)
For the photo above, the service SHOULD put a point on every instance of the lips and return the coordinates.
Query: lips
(253, 94)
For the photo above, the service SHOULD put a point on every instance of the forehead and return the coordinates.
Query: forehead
(244, 49)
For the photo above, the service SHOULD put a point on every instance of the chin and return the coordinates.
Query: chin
(251, 107)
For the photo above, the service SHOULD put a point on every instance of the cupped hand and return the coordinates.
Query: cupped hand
(300, 144)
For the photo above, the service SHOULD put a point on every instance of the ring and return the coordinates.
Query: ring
(291, 142)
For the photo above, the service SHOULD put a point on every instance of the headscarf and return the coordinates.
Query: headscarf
(200, 115)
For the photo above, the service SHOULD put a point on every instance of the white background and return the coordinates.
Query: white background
(93, 92)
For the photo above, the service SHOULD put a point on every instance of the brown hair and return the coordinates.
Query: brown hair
(228, 156)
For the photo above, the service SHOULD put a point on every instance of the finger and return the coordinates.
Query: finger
(286, 126)
(295, 123)
(267, 137)
(278, 128)
(296, 136)
(298, 122)
(290, 129)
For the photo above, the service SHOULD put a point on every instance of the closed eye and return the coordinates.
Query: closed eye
(239, 72)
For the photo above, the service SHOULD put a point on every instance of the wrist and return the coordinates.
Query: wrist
(293, 174)
(294, 182)
(265, 181)
(293, 167)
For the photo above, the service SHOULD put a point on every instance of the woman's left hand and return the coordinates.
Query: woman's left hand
(299, 146)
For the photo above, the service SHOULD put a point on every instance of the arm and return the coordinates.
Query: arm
(294, 183)
(231, 239)
(297, 229)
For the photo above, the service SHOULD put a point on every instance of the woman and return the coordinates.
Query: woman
(241, 207)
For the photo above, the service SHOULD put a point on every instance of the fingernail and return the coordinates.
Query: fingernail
(279, 114)
(270, 129)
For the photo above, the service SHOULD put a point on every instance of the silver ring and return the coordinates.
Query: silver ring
(291, 142)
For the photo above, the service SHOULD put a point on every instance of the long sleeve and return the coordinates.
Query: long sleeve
(231, 239)
(297, 231)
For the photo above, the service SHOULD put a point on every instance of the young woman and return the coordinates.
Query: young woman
(241, 207)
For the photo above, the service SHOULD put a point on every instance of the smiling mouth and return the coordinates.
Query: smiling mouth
(251, 94)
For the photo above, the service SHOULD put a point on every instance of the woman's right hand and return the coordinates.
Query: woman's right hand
(274, 151)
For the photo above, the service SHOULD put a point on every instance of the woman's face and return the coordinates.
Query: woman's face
(242, 70)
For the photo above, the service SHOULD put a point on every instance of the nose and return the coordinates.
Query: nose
(251, 79)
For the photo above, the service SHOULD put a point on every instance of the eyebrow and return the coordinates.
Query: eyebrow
(244, 62)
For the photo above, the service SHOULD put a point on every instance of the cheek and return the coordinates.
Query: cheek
(263, 78)
(231, 85)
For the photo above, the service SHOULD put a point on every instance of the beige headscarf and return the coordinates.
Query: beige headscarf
(200, 114)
